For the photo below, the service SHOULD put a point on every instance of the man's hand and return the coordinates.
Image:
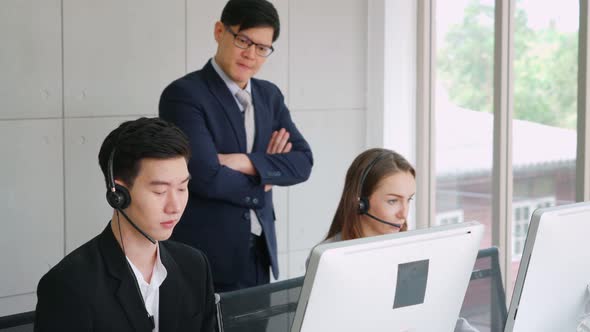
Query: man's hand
(279, 143)
(238, 162)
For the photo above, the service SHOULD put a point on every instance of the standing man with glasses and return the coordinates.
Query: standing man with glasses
(243, 143)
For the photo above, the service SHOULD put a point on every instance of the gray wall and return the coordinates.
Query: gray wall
(72, 70)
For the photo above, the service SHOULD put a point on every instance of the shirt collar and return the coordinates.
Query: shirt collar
(231, 85)
(159, 272)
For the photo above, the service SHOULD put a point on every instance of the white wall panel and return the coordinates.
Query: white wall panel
(17, 304)
(30, 59)
(281, 204)
(336, 137)
(276, 68)
(327, 62)
(297, 261)
(87, 211)
(31, 202)
(120, 55)
(201, 18)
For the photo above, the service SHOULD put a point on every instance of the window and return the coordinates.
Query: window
(449, 217)
(505, 137)
(522, 212)
(544, 135)
(463, 118)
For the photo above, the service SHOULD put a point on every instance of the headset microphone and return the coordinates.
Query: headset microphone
(119, 198)
(137, 227)
(383, 221)
(363, 207)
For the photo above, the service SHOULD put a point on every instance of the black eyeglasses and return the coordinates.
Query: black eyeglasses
(244, 42)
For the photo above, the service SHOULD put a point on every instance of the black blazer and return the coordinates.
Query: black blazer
(217, 217)
(91, 289)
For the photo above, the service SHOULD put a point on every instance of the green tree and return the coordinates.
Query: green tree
(545, 67)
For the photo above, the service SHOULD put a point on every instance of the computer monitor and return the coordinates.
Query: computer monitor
(411, 281)
(550, 292)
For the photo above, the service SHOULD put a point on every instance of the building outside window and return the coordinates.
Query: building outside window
(522, 212)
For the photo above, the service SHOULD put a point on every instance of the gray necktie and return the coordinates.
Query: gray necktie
(246, 100)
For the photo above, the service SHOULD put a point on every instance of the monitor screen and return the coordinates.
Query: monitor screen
(410, 281)
(551, 287)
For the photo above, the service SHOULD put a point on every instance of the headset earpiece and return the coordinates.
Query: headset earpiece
(119, 199)
(363, 205)
(364, 201)
(118, 196)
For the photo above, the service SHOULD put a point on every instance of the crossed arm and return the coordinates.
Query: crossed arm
(279, 143)
(234, 177)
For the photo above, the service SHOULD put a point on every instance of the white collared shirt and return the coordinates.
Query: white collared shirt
(231, 85)
(151, 292)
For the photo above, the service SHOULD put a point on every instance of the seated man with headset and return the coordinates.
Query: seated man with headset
(129, 278)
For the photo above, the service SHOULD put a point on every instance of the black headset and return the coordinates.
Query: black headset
(363, 201)
(119, 197)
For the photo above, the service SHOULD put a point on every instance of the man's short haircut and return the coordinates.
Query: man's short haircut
(138, 139)
(251, 14)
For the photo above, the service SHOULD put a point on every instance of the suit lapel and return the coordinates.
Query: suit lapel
(260, 112)
(170, 293)
(127, 293)
(219, 89)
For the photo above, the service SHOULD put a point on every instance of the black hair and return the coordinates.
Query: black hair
(138, 139)
(251, 14)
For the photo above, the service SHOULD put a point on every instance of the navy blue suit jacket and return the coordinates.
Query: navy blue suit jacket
(217, 218)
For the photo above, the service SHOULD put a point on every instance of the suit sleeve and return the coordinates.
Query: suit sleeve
(209, 178)
(59, 307)
(284, 169)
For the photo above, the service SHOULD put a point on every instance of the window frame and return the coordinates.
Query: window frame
(502, 176)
